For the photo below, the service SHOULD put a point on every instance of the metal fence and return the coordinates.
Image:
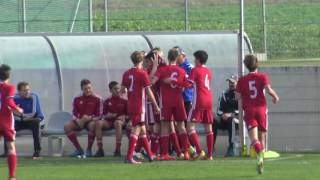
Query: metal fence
(44, 15)
(285, 29)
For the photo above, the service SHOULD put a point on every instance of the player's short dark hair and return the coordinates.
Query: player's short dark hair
(251, 62)
(179, 49)
(5, 71)
(201, 55)
(22, 84)
(137, 57)
(113, 84)
(151, 53)
(173, 54)
(84, 82)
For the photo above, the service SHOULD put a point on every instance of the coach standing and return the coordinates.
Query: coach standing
(187, 66)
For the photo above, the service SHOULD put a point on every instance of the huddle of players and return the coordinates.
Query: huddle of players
(154, 92)
(156, 110)
(167, 122)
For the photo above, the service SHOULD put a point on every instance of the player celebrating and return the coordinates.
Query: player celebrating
(114, 116)
(7, 106)
(250, 92)
(87, 109)
(136, 81)
(172, 105)
(201, 111)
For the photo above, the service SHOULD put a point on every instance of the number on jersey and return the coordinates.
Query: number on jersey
(253, 89)
(207, 82)
(131, 83)
(173, 77)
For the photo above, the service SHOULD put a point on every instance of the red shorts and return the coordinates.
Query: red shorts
(178, 113)
(204, 116)
(137, 119)
(256, 117)
(8, 134)
(151, 116)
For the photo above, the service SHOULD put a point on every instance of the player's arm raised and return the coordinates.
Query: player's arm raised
(153, 100)
(272, 93)
(154, 66)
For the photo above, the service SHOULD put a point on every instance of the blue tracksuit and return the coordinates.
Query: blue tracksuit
(188, 92)
(31, 106)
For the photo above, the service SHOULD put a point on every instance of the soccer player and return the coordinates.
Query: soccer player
(7, 106)
(201, 110)
(152, 118)
(172, 107)
(136, 81)
(87, 109)
(114, 116)
(250, 91)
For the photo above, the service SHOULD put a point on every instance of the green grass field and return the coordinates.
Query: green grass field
(287, 167)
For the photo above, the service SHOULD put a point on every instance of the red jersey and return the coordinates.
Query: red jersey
(170, 94)
(7, 93)
(136, 80)
(87, 105)
(115, 104)
(251, 87)
(201, 78)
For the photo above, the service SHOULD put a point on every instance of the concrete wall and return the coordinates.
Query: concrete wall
(294, 123)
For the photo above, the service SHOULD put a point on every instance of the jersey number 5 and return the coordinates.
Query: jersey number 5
(253, 89)
(131, 83)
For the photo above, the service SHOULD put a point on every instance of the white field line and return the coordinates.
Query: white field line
(285, 158)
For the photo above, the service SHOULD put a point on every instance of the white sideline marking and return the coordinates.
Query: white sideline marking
(285, 158)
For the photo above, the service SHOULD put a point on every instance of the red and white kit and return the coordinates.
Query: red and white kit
(7, 92)
(201, 110)
(136, 80)
(171, 100)
(251, 87)
(114, 104)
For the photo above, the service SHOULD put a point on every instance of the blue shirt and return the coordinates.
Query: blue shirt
(31, 106)
(188, 92)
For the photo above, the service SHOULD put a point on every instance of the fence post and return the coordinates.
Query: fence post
(24, 22)
(264, 26)
(106, 15)
(241, 72)
(186, 16)
(90, 16)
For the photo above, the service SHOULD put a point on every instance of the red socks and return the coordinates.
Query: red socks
(210, 142)
(132, 143)
(164, 144)
(118, 146)
(195, 141)
(175, 142)
(185, 144)
(12, 164)
(99, 143)
(91, 137)
(139, 145)
(73, 138)
(155, 143)
(257, 146)
(146, 145)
